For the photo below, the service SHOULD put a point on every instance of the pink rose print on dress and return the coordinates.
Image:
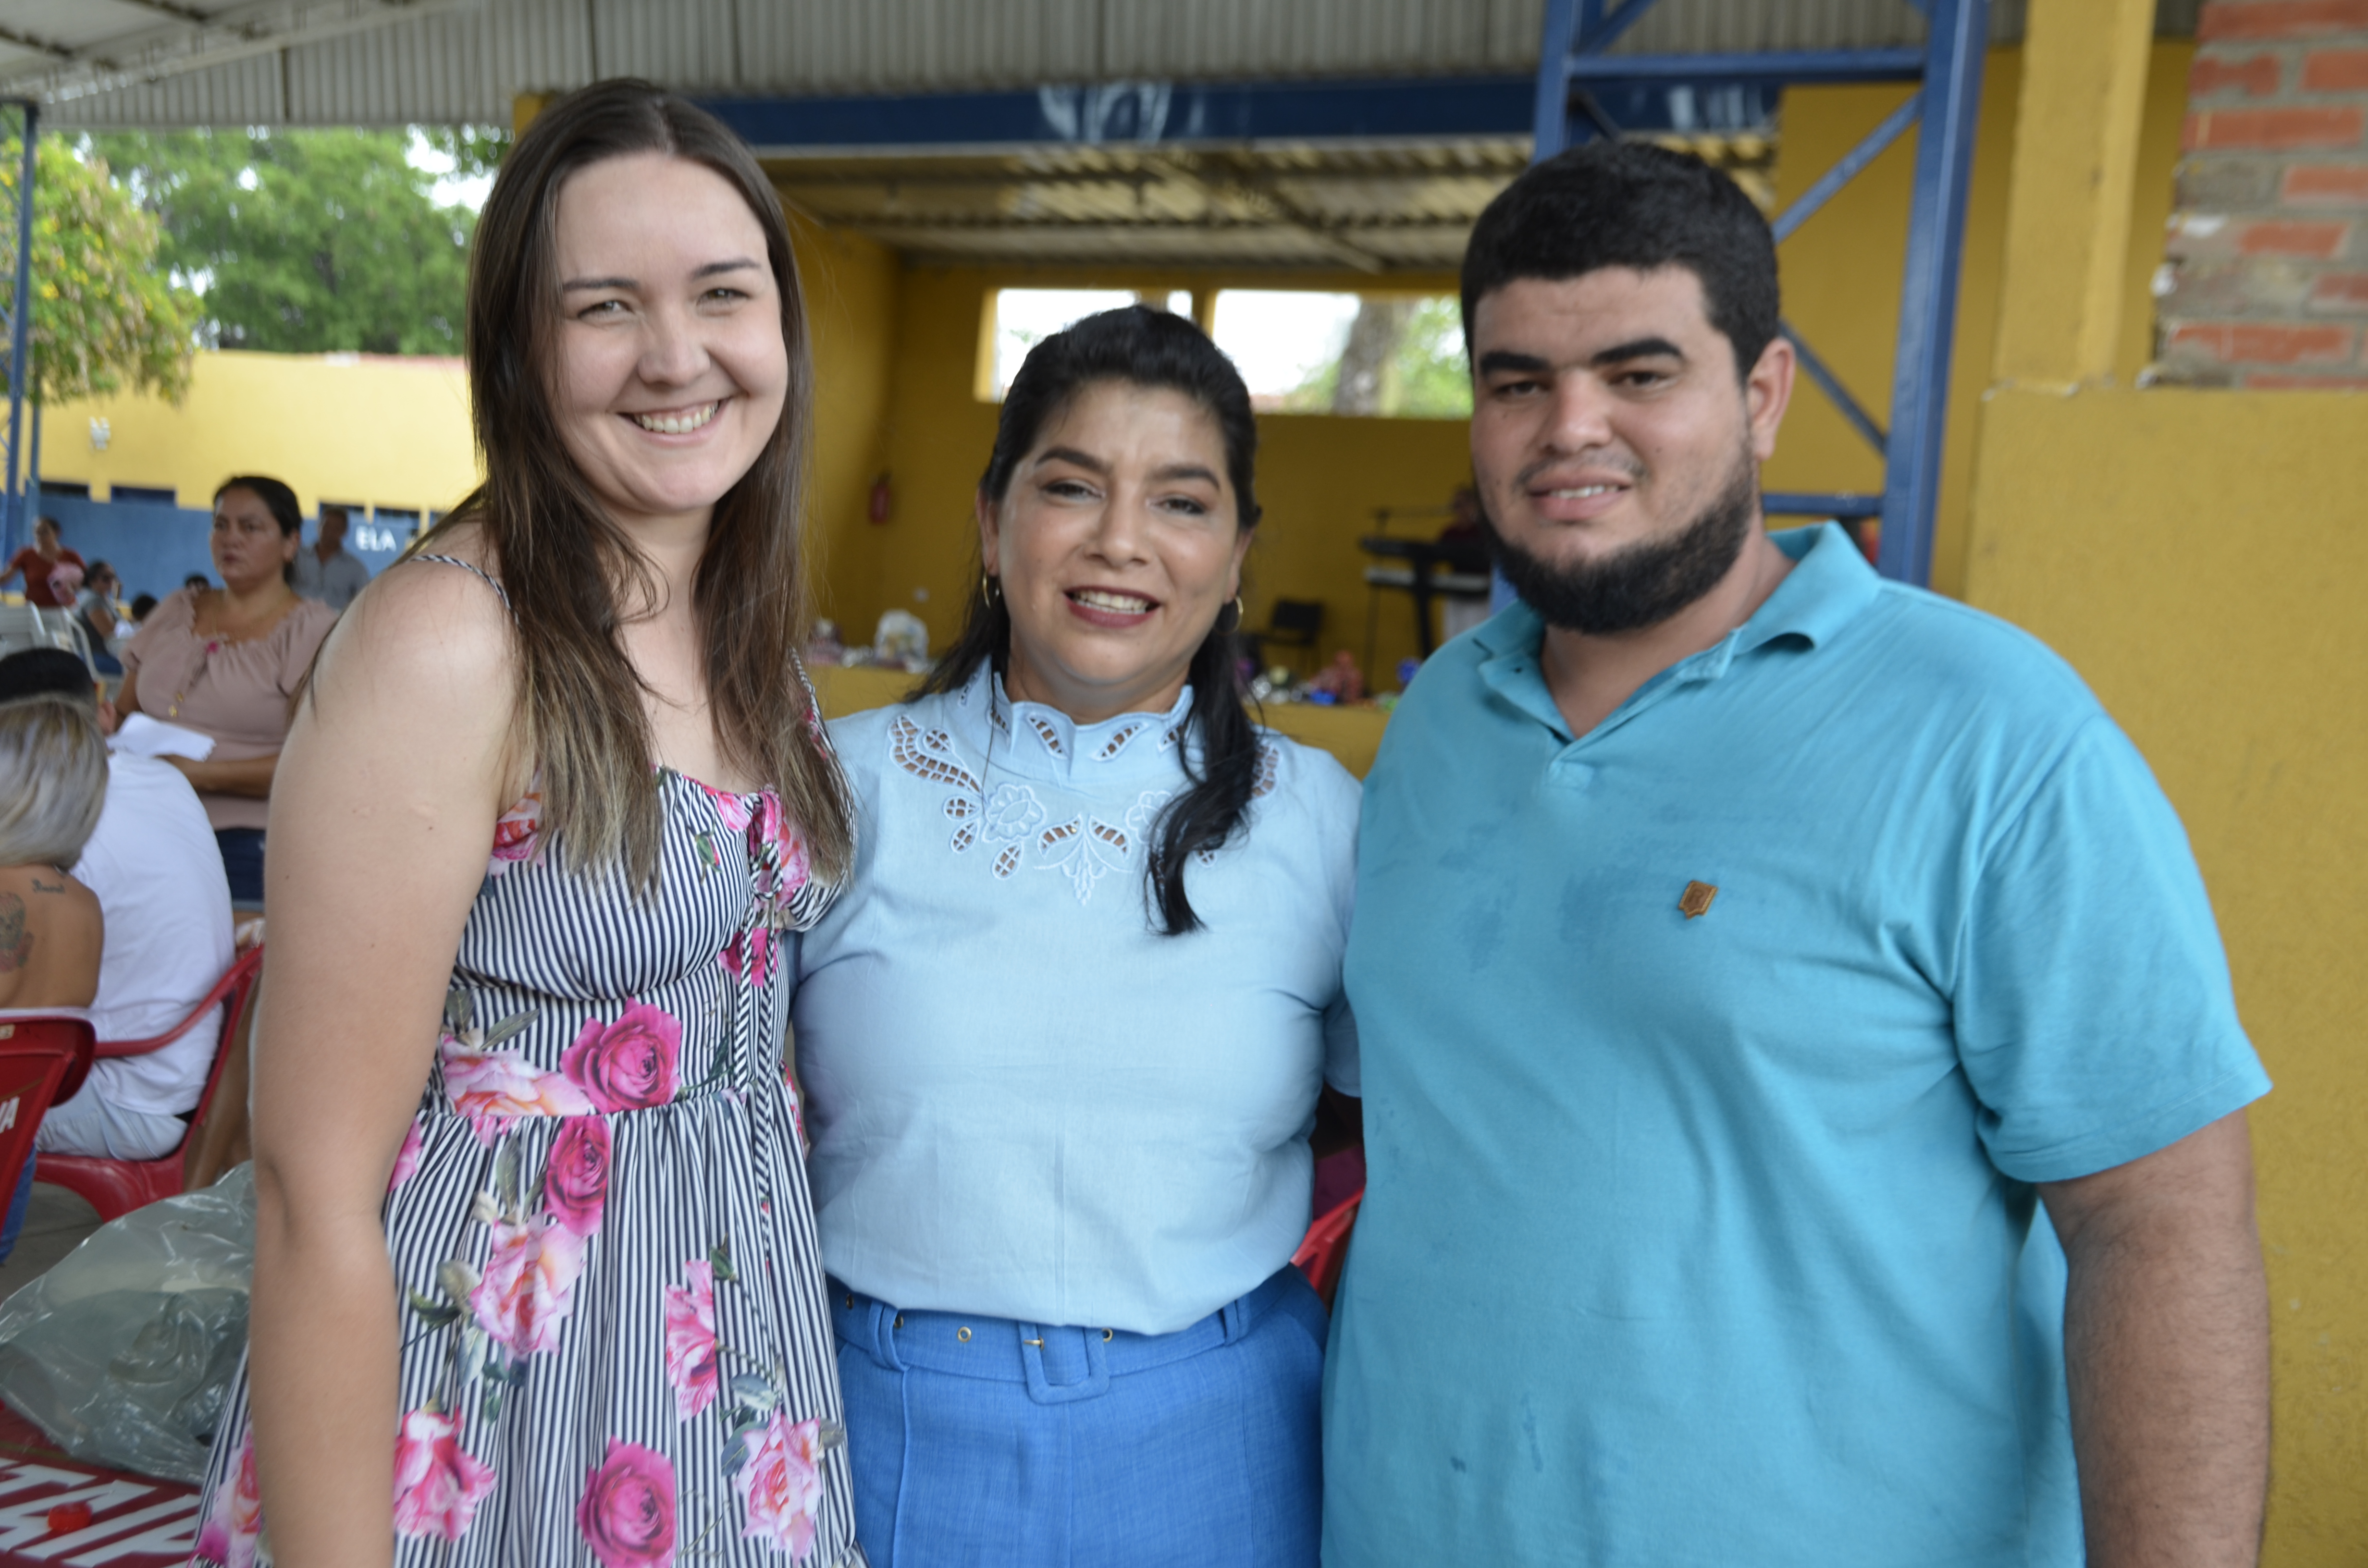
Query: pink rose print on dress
(782, 1483)
(626, 1515)
(406, 1159)
(732, 809)
(628, 1065)
(749, 956)
(494, 1088)
(797, 1109)
(528, 1288)
(518, 833)
(437, 1483)
(575, 1181)
(235, 1521)
(786, 852)
(691, 1338)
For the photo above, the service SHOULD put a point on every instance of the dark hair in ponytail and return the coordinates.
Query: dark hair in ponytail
(1144, 347)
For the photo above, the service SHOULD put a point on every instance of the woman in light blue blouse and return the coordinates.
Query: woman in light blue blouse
(1063, 1038)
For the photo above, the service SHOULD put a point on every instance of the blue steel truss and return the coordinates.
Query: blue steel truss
(1156, 114)
(1575, 78)
(16, 528)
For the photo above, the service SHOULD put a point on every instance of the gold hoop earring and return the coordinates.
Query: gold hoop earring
(986, 588)
(1228, 628)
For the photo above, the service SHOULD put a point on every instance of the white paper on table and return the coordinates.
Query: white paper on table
(143, 736)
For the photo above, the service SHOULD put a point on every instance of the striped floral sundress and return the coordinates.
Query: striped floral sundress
(614, 1342)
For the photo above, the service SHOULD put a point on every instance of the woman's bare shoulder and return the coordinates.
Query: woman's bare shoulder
(427, 618)
(56, 892)
(51, 933)
(424, 656)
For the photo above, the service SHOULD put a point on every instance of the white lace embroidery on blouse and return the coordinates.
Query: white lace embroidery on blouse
(1084, 848)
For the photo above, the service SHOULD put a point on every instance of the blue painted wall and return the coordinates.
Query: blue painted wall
(154, 547)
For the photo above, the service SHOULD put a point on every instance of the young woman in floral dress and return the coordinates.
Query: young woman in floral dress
(536, 1280)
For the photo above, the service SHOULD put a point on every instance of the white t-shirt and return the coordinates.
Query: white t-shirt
(157, 872)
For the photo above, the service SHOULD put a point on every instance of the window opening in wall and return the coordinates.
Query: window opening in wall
(153, 494)
(390, 528)
(1397, 356)
(1022, 318)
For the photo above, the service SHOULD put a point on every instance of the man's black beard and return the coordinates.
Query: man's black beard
(1644, 583)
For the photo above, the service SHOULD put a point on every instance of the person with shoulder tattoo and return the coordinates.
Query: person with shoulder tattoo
(52, 784)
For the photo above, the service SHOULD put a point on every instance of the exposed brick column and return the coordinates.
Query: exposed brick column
(2267, 279)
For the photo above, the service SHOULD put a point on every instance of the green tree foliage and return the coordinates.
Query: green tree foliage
(305, 242)
(104, 319)
(473, 149)
(1423, 372)
(1434, 379)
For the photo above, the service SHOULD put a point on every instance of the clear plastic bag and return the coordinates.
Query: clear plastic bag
(123, 1353)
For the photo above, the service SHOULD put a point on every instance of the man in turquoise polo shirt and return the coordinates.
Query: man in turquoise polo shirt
(1747, 949)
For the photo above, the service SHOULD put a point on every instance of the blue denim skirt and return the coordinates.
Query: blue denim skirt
(981, 1441)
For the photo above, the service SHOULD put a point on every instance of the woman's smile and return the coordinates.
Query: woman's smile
(1111, 607)
(686, 421)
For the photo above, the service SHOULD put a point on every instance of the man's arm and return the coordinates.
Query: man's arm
(2166, 1341)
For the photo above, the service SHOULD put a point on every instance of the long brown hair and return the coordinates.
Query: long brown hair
(566, 564)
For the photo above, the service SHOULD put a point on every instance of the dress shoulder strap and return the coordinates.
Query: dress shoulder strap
(484, 575)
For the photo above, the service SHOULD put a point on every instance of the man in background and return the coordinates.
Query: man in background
(324, 570)
(1745, 948)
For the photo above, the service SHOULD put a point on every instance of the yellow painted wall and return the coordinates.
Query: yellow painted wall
(852, 286)
(1841, 274)
(380, 431)
(2196, 556)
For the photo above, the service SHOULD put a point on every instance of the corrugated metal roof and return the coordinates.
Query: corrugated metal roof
(397, 61)
(1381, 208)
(1377, 208)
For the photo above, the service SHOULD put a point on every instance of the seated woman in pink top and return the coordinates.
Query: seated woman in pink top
(227, 662)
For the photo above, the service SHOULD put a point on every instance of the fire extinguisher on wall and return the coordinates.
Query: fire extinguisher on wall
(884, 499)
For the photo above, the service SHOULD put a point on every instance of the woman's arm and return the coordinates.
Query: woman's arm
(249, 776)
(392, 777)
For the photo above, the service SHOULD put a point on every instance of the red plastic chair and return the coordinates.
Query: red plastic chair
(1326, 1247)
(43, 1061)
(115, 1187)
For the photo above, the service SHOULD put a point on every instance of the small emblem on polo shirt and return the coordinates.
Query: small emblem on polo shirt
(1696, 899)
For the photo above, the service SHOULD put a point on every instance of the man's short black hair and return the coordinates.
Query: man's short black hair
(1632, 204)
(46, 672)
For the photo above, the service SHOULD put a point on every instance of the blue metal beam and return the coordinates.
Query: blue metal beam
(1820, 503)
(20, 323)
(1799, 67)
(1869, 149)
(1140, 112)
(1598, 32)
(1927, 296)
(1183, 113)
(1831, 385)
(1550, 123)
